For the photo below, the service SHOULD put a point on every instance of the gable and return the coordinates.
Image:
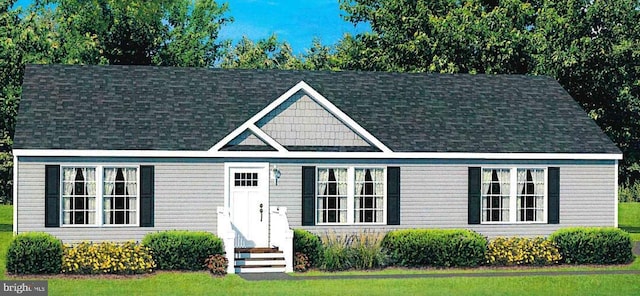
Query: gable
(302, 120)
(247, 141)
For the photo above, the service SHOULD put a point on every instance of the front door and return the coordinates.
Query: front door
(249, 202)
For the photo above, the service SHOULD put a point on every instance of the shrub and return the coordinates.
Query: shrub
(107, 258)
(367, 250)
(182, 250)
(336, 254)
(629, 193)
(301, 262)
(435, 247)
(521, 251)
(593, 245)
(217, 264)
(344, 251)
(34, 253)
(307, 243)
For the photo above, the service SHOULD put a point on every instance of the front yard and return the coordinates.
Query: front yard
(201, 283)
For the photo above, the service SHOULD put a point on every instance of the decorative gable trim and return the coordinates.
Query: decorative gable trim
(318, 98)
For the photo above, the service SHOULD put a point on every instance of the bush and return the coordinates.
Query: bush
(435, 247)
(629, 193)
(217, 264)
(360, 251)
(34, 253)
(308, 244)
(182, 250)
(300, 262)
(593, 245)
(107, 258)
(521, 251)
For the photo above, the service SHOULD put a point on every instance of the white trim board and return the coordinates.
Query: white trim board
(312, 154)
(318, 98)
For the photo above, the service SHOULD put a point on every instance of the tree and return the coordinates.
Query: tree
(163, 32)
(591, 47)
(268, 53)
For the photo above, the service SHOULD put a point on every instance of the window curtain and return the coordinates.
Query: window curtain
(109, 184)
(378, 178)
(131, 181)
(359, 181)
(323, 178)
(90, 182)
(341, 179)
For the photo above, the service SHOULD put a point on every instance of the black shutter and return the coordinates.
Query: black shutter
(308, 195)
(554, 195)
(52, 196)
(146, 196)
(474, 191)
(393, 196)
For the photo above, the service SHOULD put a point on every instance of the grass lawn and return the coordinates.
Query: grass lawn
(629, 218)
(201, 283)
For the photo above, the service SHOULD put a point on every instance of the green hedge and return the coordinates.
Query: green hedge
(34, 253)
(308, 244)
(593, 245)
(182, 250)
(435, 247)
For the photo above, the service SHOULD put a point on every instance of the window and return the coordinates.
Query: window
(495, 195)
(369, 195)
(79, 196)
(86, 190)
(332, 195)
(504, 202)
(245, 179)
(530, 195)
(120, 195)
(350, 195)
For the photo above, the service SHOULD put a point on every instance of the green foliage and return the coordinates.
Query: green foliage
(308, 244)
(217, 264)
(435, 247)
(268, 53)
(107, 258)
(591, 47)
(34, 253)
(629, 193)
(182, 250)
(358, 251)
(521, 251)
(593, 245)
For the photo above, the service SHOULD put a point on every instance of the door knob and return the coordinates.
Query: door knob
(261, 206)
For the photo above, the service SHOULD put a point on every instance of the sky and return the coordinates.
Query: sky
(294, 21)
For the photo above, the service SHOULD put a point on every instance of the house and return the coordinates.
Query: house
(115, 152)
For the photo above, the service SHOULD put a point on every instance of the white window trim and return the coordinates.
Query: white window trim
(351, 188)
(513, 195)
(99, 196)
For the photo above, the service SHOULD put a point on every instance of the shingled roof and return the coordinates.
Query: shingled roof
(163, 108)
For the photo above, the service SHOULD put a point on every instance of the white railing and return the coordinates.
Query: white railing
(282, 235)
(228, 235)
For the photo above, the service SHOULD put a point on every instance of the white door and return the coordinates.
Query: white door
(249, 201)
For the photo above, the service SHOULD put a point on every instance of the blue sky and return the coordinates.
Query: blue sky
(294, 21)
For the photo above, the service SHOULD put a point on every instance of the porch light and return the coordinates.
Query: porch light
(275, 174)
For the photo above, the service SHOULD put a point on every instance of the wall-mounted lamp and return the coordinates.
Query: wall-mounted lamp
(275, 174)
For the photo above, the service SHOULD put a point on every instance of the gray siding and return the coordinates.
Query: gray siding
(300, 121)
(186, 197)
(435, 196)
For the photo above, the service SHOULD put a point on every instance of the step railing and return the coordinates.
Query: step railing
(228, 236)
(281, 235)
